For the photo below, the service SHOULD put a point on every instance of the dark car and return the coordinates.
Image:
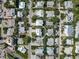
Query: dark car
(16, 58)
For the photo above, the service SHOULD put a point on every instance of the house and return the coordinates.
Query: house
(10, 31)
(50, 13)
(39, 13)
(39, 4)
(68, 30)
(39, 52)
(20, 41)
(50, 4)
(8, 22)
(21, 5)
(9, 40)
(50, 41)
(49, 32)
(1, 1)
(1, 13)
(9, 12)
(39, 40)
(68, 50)
(21, 27)
(2, 54)
(77, 57)
(48, 23)
(68, 57)
(22, 49)
(39, 22)
(77, 30)
(1, 40)
(50, 51)
(49, 57)
(12, 48)
(20, 14)
(38, 32)
(69, 16)
(68, 4)
(69, 42)
(77, 49)
(57, 41)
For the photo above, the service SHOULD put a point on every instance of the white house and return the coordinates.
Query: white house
(21, 5)
(68, 50)
(21, 27)
(68, 57)
(39, 51)
(50, 13)
(10, 31)
(68, 4)
(50, 4)
(22, 49)
(39, 40)
(20, 41)
(69, 16)
(68, 30)
(49, 32)
(77, 30)
(69, 42)
(50, 51)
(39, 13)
(77, 49)
(38, 32)
(50, 41)
(48, 23)
(39, 22)
(20, 14)
(39, 4)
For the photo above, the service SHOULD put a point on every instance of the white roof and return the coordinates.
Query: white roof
(50, 32)
(21, 5)
(39, 51)
(21, 30)
(69, 16)
(39, 13)
(22, 49)
(38, 32)
(50, 3)
(19, 14)
(20, 23)
(68, 4)
(77, 30)
(39, 4)
(68, 30)
(50, 41)
(39, 40)
(50, 51)
(39, 22)
(77, 49)
(69, 42)
(50, 13)
(49, 23)
(68, 50)
(68, 57)
(20, 41)
(10, 31)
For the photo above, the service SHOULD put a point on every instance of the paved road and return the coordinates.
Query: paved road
(30, 28)
(60, 32)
